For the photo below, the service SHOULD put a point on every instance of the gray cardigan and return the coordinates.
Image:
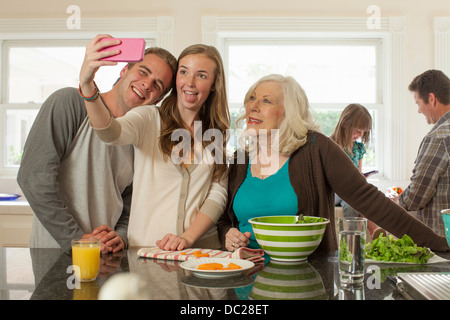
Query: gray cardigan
(316, 171)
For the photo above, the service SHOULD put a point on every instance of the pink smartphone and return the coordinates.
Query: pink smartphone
(131, 50)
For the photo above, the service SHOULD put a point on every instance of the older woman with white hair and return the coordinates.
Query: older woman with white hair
(294, 169)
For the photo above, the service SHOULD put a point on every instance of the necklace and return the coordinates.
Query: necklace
(259, 169)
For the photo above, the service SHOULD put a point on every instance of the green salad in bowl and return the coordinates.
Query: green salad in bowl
(289, 238)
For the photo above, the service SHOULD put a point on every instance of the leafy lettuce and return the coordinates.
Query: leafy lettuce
(307, 219)
(344, 252)
(397, 250)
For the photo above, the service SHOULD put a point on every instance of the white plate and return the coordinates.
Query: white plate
(192, 265)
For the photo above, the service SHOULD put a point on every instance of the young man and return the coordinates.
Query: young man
(429, 190)
(76, 185)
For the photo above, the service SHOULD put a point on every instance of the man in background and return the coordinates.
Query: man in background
(429, 190)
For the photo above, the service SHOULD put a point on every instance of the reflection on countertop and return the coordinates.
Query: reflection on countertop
(45, 274)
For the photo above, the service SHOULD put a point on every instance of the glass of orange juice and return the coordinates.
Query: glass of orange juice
(86, 258)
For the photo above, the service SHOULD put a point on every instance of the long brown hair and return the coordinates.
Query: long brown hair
(354, 116)
(214, 114)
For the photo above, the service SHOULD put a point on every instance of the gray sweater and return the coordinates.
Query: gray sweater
(71, 179)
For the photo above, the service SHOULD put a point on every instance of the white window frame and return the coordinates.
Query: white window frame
(391, 126)
(158, 29)
(442, 44)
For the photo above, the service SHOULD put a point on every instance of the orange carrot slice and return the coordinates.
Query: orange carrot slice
(232, 266)
(218, 266)
(210, 266)
(200, 254)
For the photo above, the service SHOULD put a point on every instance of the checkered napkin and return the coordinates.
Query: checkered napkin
(253, 255)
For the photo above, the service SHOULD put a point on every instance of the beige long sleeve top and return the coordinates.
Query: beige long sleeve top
(166, 196)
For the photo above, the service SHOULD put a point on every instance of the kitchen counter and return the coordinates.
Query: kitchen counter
(44, 274)
(15, 223)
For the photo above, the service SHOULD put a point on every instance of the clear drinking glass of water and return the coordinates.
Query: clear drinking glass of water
(352, 243)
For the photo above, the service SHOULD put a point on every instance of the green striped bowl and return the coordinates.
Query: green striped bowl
(285, 240)
(288, 281)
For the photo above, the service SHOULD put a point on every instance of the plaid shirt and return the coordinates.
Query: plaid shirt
(429, 190)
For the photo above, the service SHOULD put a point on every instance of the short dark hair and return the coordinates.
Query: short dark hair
(432, 81)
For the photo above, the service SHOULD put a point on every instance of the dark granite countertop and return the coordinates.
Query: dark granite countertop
(44, 274)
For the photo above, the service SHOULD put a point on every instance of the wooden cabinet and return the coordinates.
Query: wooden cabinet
(15, 223)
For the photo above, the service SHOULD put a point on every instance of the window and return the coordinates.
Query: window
(336, 61)
(329, 72)
(333, 74)
(34, 71)
(33, 68)
(37, 69)
(442, 44)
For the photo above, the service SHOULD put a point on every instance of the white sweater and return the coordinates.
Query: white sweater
(166, 196)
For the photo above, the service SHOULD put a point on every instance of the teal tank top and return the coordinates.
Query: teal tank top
(264, 197)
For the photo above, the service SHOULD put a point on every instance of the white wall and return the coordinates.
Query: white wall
(187, 13)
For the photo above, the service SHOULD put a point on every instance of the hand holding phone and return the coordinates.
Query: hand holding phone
(131, 50)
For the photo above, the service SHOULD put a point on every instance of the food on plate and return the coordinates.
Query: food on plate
(397, 250)
(218, 266)
(398, 190)
(232, 266)
(210, 266)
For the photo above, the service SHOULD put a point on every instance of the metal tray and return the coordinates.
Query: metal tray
(424, 286)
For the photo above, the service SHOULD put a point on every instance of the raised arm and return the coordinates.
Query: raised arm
(98, 114)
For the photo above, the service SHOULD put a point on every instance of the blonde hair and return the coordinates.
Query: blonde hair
(354, 116)
(297, 121)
